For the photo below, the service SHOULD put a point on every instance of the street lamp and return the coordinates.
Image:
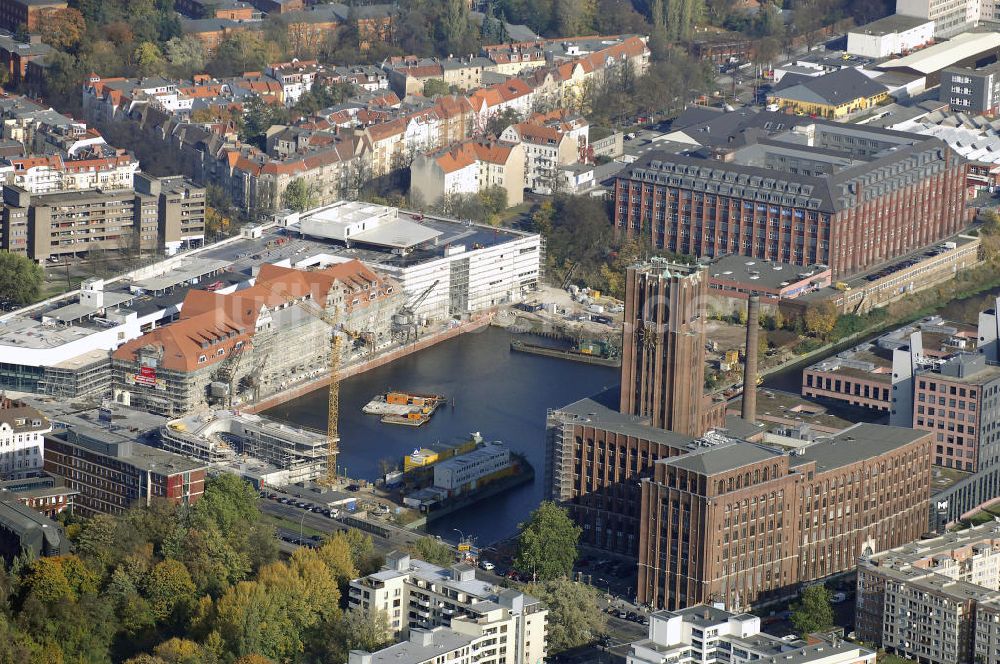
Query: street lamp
(460, 534)
(301, 520)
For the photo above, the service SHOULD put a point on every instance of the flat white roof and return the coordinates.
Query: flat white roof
(398, 234)
(935, 58)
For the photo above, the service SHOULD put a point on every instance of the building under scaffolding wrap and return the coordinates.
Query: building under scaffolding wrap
(225, 439)
(249, 344)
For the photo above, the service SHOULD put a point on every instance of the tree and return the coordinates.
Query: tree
(813, 612)
(547, 543)
(435, 86)
(64, 28)
(148, 59)
(575, 617)
(186, 55)
(433, 551)
(299, 195)
(20, 279)
(820, 319)
(497, 122)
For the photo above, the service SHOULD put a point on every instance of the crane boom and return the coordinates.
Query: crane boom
(333, 397)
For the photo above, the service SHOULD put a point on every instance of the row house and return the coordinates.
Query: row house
(468, 168)
(550, 140)
(44, 174)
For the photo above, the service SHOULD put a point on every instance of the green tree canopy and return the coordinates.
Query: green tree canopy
(433, 551)
(20, 279)
(813, 612)
(299, 195)
(547, 543)
(435, 86)
(575, 617)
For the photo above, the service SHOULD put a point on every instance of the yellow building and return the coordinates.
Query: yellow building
(834, 95)
(419, 459)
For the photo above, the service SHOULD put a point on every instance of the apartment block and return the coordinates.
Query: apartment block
(704, 634)
(70, 223)
(796, 191)
(468, 168)
(113, 473)
(418, 596)
(934, 600)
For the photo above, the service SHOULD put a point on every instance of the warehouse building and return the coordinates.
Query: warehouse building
(805, 193)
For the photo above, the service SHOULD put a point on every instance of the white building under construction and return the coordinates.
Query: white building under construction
(234, 441)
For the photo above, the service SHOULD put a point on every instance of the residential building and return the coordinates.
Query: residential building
(722, 50)
(418, 596)
(550, 140)
(896, 34)
(934, 600)
(463, 472)
(468, 168)
(181, 207)
(27, 13)
(113, 473)
(969, 90)
(70, 223)
(704, 634)
(22, 446)
(741, 523)
(800, 195)
(950, 16)
(45, 174)
(836, 95)
(663, 348)
(24, 530)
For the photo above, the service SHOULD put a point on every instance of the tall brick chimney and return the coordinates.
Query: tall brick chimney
(749, 412)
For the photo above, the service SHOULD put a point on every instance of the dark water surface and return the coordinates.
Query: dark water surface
(503, 395)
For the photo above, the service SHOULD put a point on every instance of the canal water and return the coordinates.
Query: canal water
(499, 393)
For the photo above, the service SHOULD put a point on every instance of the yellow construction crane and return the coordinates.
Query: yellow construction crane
(333, 398)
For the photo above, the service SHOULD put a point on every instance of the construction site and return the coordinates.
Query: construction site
(256, 447)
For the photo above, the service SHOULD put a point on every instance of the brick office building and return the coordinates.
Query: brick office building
(112, 472)
(710, 515)
(740, 523)
(845, 196)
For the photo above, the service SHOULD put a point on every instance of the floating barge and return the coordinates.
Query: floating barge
(411, 410)
(574, 354)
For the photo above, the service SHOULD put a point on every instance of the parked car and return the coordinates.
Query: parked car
(353, 487)
(487, 565)
(838, 598)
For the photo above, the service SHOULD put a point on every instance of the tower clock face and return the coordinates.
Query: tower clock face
(647, 335)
